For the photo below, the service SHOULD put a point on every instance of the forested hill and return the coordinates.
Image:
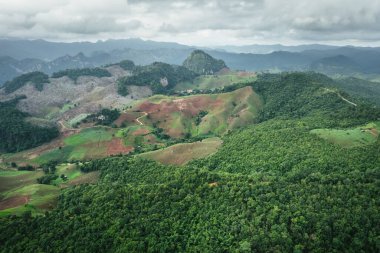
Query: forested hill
(16, 134)
(272, 187)
(202, 63)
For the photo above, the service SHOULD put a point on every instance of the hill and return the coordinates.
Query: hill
(273, 186)
(160, 77)
(200, 114)
(202, 63)
(16, 133)
(360, 88)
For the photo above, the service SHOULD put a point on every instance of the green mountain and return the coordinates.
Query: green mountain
(16, 133)
(202, 63)
(159, 76)
(273, 186)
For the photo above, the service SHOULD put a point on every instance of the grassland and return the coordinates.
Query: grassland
(182, 153)
(349, 138)
(216, 81)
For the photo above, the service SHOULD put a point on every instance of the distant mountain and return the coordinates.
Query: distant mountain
(21, 56)
(46, 50)
(202, 63)
(336, 64)
(266, 49)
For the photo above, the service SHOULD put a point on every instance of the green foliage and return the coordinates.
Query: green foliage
(127, 65)
(161, 77)
(298, 95)
(202, 63)
(105, 117)
(37, 78)
(16, 134)
(199, 117)
(74, 74)
(46, 179)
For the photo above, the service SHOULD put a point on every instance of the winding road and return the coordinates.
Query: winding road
(138, 119)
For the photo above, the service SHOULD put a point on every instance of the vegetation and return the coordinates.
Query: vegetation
(271, 187)
(105, 117)
(74, 74)
(360, 88)
(161, 77)
(16, 134)
(127, 65)
(202, 63)
(37, 78)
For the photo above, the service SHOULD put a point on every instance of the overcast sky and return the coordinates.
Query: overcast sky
(195, 22)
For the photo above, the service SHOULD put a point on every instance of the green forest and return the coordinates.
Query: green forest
(38, 79)
(272, 187)
(16, 134)
(74, 74)
(152, 75)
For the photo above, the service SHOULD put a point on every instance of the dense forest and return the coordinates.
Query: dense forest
(161, 77)
(38, 79)
(271, 187)
(16, 134)
(74, 74)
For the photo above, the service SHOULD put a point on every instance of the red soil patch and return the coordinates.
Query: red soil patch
(14, 202)
(116, 146)
(141, 131)
(188, 106)
(129, 117)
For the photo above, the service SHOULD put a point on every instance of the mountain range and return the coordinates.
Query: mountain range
(21, 56)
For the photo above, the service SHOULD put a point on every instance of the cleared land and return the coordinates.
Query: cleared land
(182, 153)
(349, 138)
(179, 116)
(216, 81)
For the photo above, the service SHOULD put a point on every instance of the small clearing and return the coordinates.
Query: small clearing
(182, 153)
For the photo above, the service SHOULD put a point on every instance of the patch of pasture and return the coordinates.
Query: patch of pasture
(180, 154)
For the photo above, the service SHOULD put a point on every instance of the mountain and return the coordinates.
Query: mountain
(48, 51)
(202, 63)
(50, 57)
(267, 49)
(336, 64)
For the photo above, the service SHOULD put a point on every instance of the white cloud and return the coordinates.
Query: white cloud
(198, 22)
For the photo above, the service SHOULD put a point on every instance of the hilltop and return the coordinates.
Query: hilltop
(202, 63)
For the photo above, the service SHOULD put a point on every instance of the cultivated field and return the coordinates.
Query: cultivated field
(182, 153)
(19, 191)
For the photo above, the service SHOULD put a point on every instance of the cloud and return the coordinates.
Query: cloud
(197, 22)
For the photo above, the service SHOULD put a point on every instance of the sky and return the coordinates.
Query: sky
(195, 22)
